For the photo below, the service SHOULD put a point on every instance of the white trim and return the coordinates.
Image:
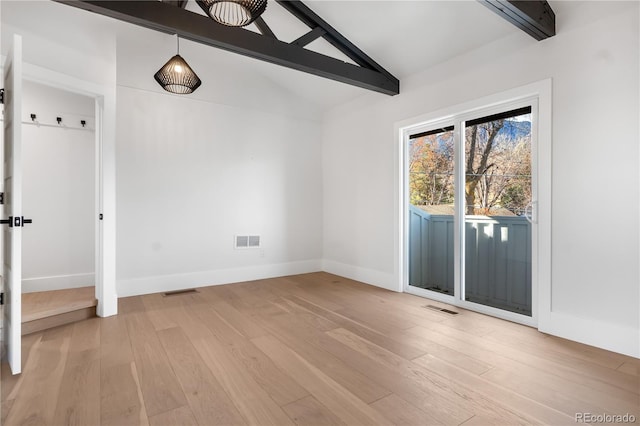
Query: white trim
(57, 282)
(483, 309)
(105, 176)
(161, 283)
(613, 337)
(539, 96)
(368, 276)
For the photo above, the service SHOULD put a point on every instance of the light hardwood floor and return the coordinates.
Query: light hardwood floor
(313, 349)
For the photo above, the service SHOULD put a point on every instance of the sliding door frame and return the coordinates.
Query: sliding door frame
(538, 96)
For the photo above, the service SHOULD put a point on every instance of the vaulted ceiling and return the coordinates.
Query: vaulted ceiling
(405, 37)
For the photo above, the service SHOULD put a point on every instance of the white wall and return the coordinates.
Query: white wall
(58, 190)
(75, 50)
(593, 62)
(192, 174)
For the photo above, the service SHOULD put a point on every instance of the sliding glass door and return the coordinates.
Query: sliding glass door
(431, 210)
(470, 195)
(497, 230)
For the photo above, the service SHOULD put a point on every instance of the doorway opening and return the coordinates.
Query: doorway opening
(59, 193)
(470, 220)
(14, 71)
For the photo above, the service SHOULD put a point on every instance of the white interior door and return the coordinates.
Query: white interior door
(13, 219)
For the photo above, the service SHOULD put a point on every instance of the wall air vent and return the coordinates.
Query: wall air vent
(247, 241)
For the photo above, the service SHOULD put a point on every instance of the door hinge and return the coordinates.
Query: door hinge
(1, 96)
(1, 298)
(1, 197)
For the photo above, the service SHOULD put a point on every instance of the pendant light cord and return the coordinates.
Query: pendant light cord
(178, 42)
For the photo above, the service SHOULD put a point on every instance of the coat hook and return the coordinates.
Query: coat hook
(33, 117)
(83, 122)
(59, 120)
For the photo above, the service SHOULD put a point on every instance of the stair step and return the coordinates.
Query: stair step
(49, 309)
(56, 320)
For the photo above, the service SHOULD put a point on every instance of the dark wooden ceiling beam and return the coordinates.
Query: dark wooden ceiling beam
(179, 3)
(264, 28)
(340, 42)
(535, 17)
(166, 18)
(307, 38)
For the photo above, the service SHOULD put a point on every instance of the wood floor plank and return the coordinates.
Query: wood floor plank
(341, 402)
(280, 386)
(121, 401)
(443, 389)
(36, 402)
(297, 336)
(385, 377)
(444, 353)
(250, 398)
(540, 385)
(4, 410)
(630, 367)
(531, 408)
(503, 352)
(9, 383)
(155, 306)
(130, 305)
(79, 392)
(206, 397)
(301, 313)
(244, 325)
(400, 412)
(560, 348)
(363, 330)
(309, 412)
(308, 349)
(160, 388)
(115, 347)
(182, 416)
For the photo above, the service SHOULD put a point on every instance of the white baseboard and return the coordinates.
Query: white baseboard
(162, 283)
(612, 337)
(367, 276)
(57, 282)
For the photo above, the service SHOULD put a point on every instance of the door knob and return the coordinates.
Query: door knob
(17, 221)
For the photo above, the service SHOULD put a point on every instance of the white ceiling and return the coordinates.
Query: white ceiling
(405, 37)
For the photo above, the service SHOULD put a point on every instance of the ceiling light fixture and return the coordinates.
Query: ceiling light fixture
(233, 13)
(176, 76)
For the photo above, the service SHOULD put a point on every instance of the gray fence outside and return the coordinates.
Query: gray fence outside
(497, 258)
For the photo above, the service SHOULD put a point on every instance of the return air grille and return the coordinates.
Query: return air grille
(247, 241)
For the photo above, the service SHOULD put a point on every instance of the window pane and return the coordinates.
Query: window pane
(497, 199)
(431, 192)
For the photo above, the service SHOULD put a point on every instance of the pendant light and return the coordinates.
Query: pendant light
(176, 76)
(233, 13)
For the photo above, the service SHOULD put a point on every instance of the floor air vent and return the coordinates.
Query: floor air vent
(179, 292)
(437, 308)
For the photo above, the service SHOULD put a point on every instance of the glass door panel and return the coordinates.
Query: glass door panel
(498, 198)
(431, 210)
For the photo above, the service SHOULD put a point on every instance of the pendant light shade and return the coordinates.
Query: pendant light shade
(233, 13)
(176, 76)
